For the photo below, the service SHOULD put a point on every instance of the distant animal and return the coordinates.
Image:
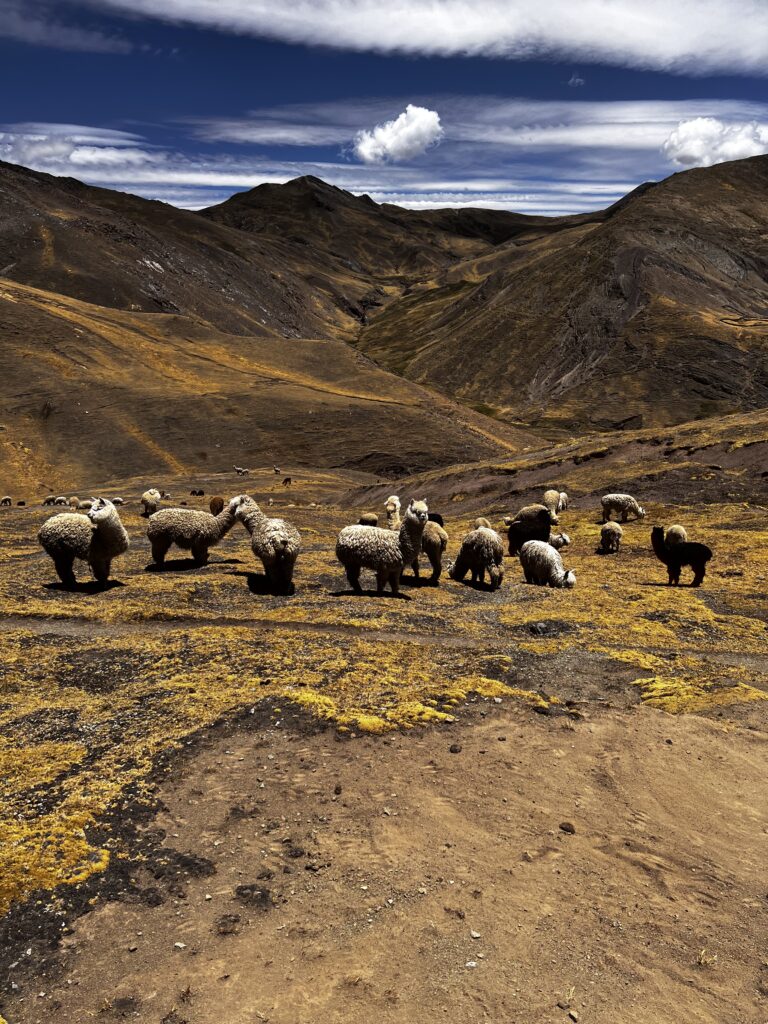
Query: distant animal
(275, 542)
(675, 556)
(481, 552)
(118, 501)
(86, 504)
(287, 482)
(197, 493)
(241, 471)
(434, 541)
(610, 539)
(7, 500)
(551, 501)
(277, 470)
(543, 566)
(216, 504)
(562, 504)
(74, 501)
(150, 501)
(189, 529)
(675, 535)
(435, 517)
(532, 522)
(50, 500)
(96, 538)
(620, 503)
(270, 501)
(386, 552)
(368, 519)
(61, 500)
(20, 504)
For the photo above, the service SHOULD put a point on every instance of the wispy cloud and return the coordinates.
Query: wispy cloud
(691, 36)
(26, 21)
(704, 141)
(532, 156)
(407, 136)
(575, 81)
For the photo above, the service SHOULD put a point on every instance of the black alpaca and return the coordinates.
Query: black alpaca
(678, 555)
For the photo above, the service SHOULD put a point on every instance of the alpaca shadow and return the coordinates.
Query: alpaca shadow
(414, 582)
(671, 586)
(260, 585)
(370, 593)
(484, 588)
(175, 565)
(91, 587)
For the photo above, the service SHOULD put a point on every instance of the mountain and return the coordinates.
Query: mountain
(654, 313)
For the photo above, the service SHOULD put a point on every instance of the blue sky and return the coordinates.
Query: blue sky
(552, 106)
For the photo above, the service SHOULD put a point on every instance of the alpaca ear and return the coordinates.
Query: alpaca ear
(410, 503)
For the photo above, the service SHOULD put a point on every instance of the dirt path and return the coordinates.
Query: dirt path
(397, 879)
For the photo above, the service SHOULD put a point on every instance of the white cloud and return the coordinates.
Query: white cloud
(575, 81)
(704, 141)
(20, 21)
(692, 36)
(407, 136)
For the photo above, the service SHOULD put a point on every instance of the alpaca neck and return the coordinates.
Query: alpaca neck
(393, 519)
(111, 532)
(410, 538)
(253, 517)
(659, 547)
(225, 520)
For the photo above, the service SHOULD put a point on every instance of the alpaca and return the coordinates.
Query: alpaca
(216, 504)
(623, 503)
(96, 538)
(392, 507)
(675, 556)
(551, 501)
(543, 565)
(481, 551)
(189, 529)
(385, 551)
(150, 501)
(533, 522)
(368, 519)
(434, 541)
(675, 535)
(610, 539)
(275, 542)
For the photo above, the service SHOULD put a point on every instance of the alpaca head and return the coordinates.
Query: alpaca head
(640, 512)
(419, 510)
(101, 509)
(392, 504)
(240, 504)
(570, 579)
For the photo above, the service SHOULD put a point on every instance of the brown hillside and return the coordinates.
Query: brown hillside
(91, 393)
(655, 314)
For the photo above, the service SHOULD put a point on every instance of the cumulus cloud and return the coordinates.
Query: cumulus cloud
(704, 141)
(692, 36)
(575, 81)
(26, 22)
(407, 136)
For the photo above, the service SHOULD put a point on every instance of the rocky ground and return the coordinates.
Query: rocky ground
(528, 805)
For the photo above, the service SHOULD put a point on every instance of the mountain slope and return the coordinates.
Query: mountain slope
(656, 313)
(91, 393)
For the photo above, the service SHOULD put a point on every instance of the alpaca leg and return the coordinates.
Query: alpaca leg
(606, 515)
(698, 575)
(199, 554)
(353, 575)
(415, 567)
(382, 575)
(100, 568)
(624, 516)
(160, 547)
(437, 568)
(63, 565)
(394, 582)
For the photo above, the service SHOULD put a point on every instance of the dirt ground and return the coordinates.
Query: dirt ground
(610, 867)
(222, 805)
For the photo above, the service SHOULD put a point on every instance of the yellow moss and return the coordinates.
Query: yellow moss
(680, 696)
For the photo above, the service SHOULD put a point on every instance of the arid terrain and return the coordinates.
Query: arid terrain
(224, 806)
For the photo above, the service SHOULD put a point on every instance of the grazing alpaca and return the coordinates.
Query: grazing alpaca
(677, 555)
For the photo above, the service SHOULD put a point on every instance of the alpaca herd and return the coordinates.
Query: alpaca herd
(98, 536)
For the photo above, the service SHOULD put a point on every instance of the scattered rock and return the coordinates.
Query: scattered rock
(568, 827)
(455, 748)
(337, 790)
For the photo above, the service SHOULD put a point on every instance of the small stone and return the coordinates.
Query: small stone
(568, 827)
(471, 963)
(132, 949)
(563, 1004)
(573, 1015)
(337, 789)
(179, 945)
(474, 935)
(455, 748)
